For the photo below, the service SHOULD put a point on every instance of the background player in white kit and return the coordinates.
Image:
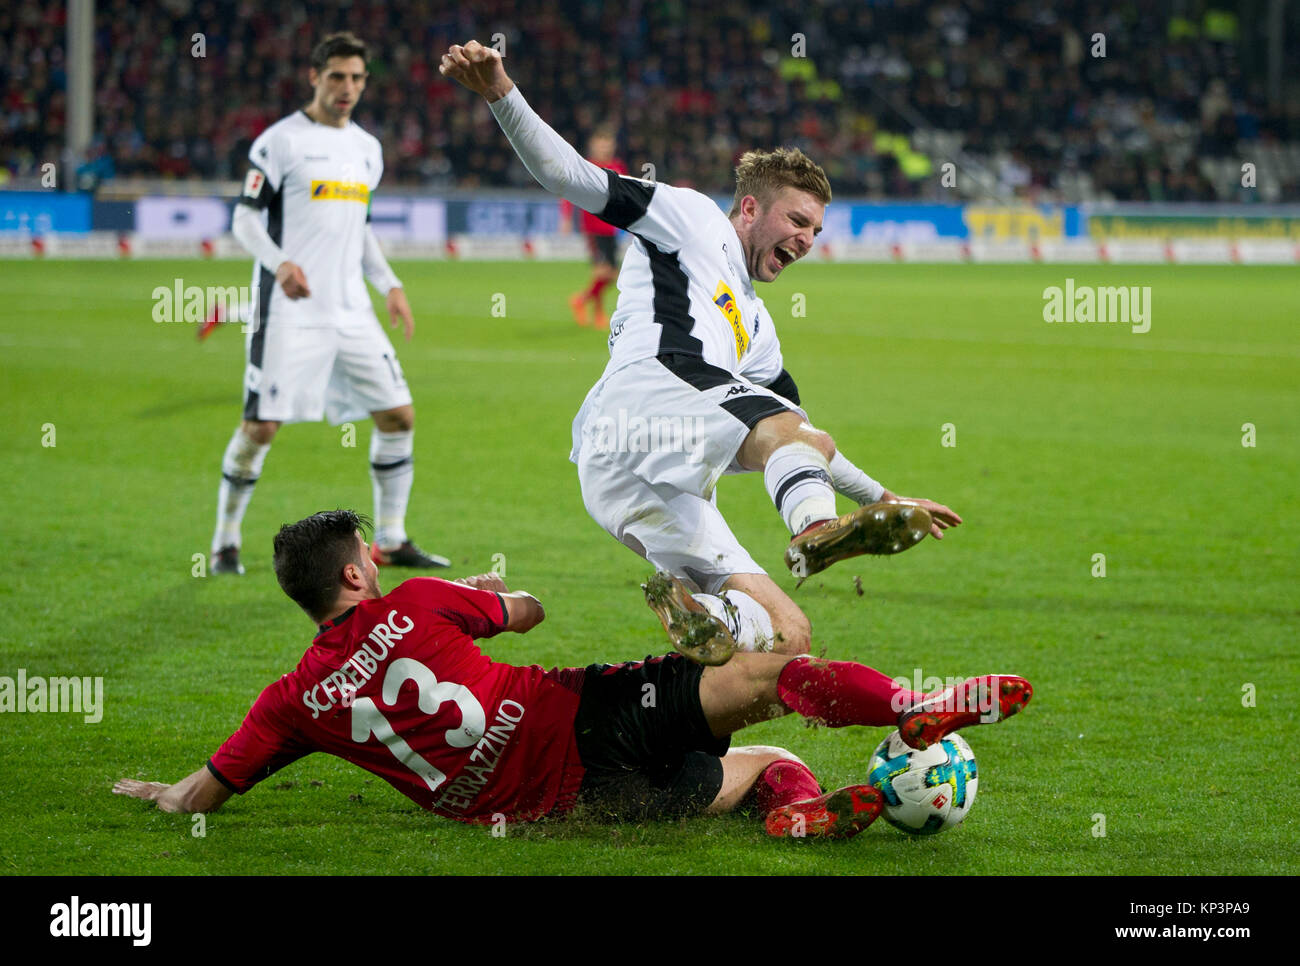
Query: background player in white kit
(316, 348)
(693, 348)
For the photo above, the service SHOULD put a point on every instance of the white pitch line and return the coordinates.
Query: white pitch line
(1140, 341)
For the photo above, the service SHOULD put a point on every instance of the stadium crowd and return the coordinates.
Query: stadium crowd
(880, 93)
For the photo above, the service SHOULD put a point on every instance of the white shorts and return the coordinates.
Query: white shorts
(651, 442)
(300, 373)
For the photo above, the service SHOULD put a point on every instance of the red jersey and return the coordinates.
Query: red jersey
(591, 225)
(397, 686)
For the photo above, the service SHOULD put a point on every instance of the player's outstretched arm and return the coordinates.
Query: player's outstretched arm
(479, 68)
(200, 792)
(556, 165)
(523, 610)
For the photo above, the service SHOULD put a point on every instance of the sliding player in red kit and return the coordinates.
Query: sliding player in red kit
(396, 684)
(588, 305)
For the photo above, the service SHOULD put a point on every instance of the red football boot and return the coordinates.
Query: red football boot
(840, 814)
(578, 305)
(970, 703)
(214, 319)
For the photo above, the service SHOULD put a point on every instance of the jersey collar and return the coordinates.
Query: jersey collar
(331, 624)
(315, 123)
(736, 259)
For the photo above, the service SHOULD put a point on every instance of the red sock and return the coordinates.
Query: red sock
(597, 287)
(782, 783)
(842, 693)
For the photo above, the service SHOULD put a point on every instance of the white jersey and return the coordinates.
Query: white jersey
(314, 182)
(684, 287)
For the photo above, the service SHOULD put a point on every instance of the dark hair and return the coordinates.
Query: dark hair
(342, 44)
(310, 556)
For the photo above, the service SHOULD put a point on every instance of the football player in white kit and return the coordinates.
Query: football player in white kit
(695, 388)
(315, 347)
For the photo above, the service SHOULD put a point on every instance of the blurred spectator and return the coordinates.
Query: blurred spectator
(1013, 88)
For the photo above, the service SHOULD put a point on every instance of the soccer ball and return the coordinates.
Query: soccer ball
(925, 791)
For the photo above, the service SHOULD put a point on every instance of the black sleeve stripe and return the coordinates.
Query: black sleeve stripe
(222, 778)
(628, 200)
(505, 611)
(754, 408)
(783, 385)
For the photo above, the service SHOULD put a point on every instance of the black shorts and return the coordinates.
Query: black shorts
(604, 249)
(644, 743)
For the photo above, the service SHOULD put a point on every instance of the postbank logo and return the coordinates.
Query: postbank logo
(340, 191)
(726, 302)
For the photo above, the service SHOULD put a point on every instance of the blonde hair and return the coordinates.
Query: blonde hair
(764, 173)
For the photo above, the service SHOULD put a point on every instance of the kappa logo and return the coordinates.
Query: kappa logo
(736, 391)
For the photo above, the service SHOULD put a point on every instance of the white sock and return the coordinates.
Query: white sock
(852, 482)
(748, 620)
(240, 468)
(391, 473)
(798, 479)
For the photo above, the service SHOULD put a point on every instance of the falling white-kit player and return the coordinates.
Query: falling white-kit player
(692, 346)
(315, 346)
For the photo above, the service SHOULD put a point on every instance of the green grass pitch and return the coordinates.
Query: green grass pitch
(1071, 441)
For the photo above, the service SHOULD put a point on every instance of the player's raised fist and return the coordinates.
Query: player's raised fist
(491, 582)
(477, 67)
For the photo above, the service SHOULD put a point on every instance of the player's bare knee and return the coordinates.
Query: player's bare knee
(400, 420)
(793, 634)
(775, 753)
(260, 431)
(821, 440)
(810, 435)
